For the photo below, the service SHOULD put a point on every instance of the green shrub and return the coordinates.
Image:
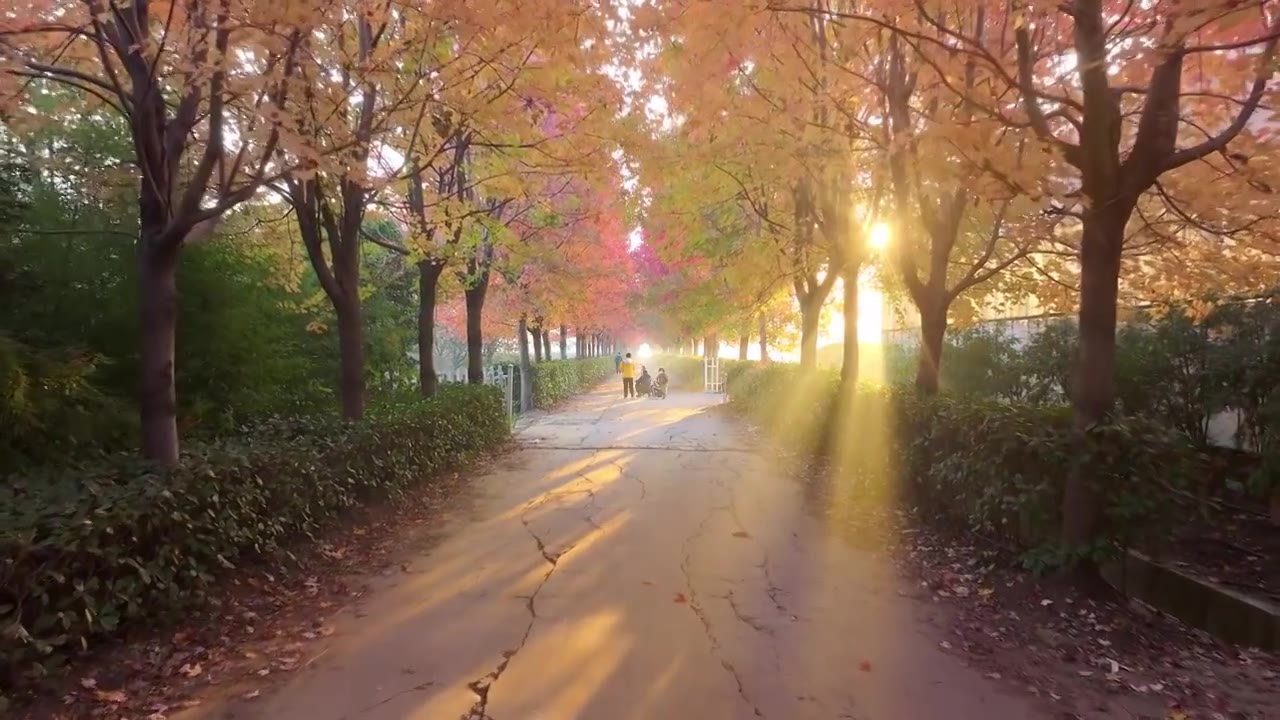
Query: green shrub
(91, 549)
(998, 467)
(558, 380)
(50, 409)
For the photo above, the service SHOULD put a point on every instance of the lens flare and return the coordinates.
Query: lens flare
(879, 238)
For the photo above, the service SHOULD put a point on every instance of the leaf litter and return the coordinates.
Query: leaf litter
(1096, 655)
(259, 627)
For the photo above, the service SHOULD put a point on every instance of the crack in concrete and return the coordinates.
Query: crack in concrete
(482, 685)
(700, 613)
(771, 588)
(749, 620)
(590, 518)
(416, 688)
(622, 473)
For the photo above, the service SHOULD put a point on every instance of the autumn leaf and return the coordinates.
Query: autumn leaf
(741, 534)
(680, 598)
(114, 697)
(865, 666)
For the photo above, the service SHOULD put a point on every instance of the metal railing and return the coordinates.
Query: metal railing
(504, 377)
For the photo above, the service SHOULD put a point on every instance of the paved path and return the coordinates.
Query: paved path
(636, 559)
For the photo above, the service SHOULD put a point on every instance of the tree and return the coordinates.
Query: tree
(1118, 95)
(958, 234)
(761, 99)
(369, 73)
(204, 111)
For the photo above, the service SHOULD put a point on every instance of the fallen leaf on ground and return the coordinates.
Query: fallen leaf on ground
(865, 666)
(741, 534)
(252, 694)
(88, 683)
(191, 670)
(680, 598)
(111, 696)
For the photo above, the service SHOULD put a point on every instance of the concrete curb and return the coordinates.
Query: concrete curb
(1218, 610)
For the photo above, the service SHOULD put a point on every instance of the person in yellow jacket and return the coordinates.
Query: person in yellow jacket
(628, 369)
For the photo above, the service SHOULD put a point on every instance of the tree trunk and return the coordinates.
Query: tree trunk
(546, 344)
(564, 342)
(711, 346)
(933, 331)
(764, 341)
(810, 316)
(428, 281)
(1094, 389)
(350, 352)
(577, 343)
(526, 372)
(475, 334)
(158, 315)
(744, 344)
(537, 343)
(849, 361)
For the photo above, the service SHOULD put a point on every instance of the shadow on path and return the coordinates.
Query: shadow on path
(637, 559)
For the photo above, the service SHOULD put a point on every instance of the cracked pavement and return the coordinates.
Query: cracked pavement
(637, 559)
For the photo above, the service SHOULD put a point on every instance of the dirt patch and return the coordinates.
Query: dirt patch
(267, 621)
(1093, 654)
(1234, 546)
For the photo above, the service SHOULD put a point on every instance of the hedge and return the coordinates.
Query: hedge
(997, 467)
(1174, 363)
(558, 380)
(87, 551)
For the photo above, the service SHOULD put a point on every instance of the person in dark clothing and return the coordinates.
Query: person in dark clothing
(617, 363)
(660, 384)
(644, 382)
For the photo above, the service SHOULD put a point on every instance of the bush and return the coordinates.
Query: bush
(50, 409)
(996, 466)
(88, 550)
(558, 380)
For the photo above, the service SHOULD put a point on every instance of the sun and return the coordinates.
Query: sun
(879, 238)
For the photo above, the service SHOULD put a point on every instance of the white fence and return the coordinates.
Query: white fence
(1221, 428)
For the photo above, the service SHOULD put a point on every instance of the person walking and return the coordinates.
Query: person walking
(617, 363)
(628, 369)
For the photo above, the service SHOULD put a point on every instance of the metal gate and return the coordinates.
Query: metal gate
(711, 380)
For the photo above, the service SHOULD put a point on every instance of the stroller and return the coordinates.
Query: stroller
(660, 385)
